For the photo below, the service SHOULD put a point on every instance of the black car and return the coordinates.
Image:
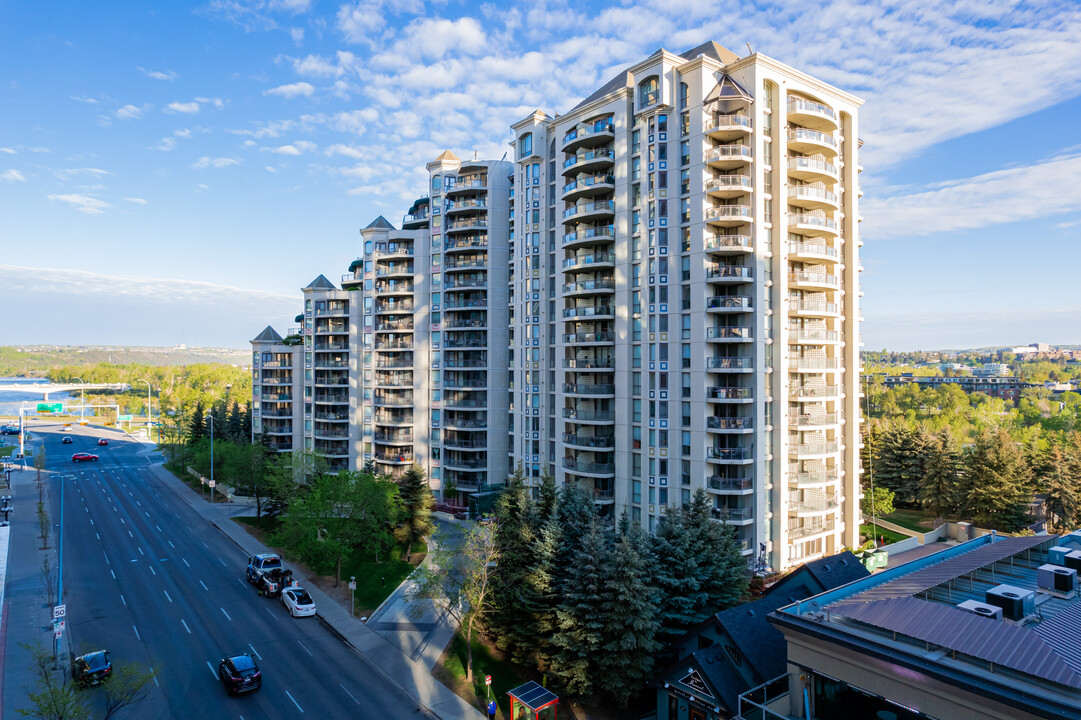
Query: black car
(91, 669)
(239, 674)
(66, 441)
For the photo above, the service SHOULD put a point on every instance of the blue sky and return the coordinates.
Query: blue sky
(174, 172)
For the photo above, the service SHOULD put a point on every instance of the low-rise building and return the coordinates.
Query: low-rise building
(1007, 388)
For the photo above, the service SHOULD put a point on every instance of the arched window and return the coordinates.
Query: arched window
(525, 145)
(368, 248)
(648, 92)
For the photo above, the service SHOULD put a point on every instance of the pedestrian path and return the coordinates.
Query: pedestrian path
(403, 649)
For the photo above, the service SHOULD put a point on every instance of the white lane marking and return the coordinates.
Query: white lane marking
(97, 536)
(294, 701)
(222, 563)
(114, 507)
(158, 527)
(240, 581)
(171, 544)
(123, 600)
(155, 676)
(136, 502)
(209, 666)
(204, 586)
(106, 557)
(305, 649)
(91, 521)
(136, 633)
(146, 513)
(167, 595)
(204, 544)
(189, 633)
(225, 614)
(186, 562)
(88, 510)
(122, 521)
(152, 570)
(130, 535)
(140, 550)
(269, 613)
(114, 574)
(349, 694)
(255, 651)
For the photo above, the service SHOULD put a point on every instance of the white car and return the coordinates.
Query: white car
(298, 602)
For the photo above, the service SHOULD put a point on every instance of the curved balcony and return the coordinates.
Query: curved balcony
(466, 341)
(813, 337)
(588, 186)
(814, 309)
(457, 302)
(590, 311)
(469, 464)
(722, 243)
(812, 225)
(812, 169)
(331, 328)
(733, 425)
(727, 126)
(467, 224)
(398, 252)
(463, 282)
(729, 394)
(399, 437)
(811, 114)
(331, 380)
(394, 270)
(400, 380)
(589, 441)
(589, 160)
(415, 221)
(589, 235)
(810, 142)
(813, 365)
(728, 215)
(729, 456)
(729, 486)
(590, 363)
(589, 261)
(814, 392)
(404, 343)
(810, 252)
(455, 323)
(730, 364)
(468, 183)
(810, 508)
(805, 280)
(466, 381)
(596, 210)
(728, 186)
(727, 157)
(728, 274)
(589, 135)
(589, 389)
(600, 286)
(464, 423)
(386, 308)
(466, 242)
(589, 338)
(729, 334)
(592, 469)
(813, 451)
(392, 362)
(812, 198)
(815, 421)
(391, 458)
(577, 416)
(812, 479)
(460, 263)
(465, 443)
(351, 279)
(728, 304)
(466, 400)
(404, 399)
(331, 416)
(394, 418)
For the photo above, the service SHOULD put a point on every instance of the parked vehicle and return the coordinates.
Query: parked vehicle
(298, 602)
(91, 669)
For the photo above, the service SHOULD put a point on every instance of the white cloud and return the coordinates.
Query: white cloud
(433, 37)
(83, 203)
(994, 198)
(7, 150)
(297, 34)
(136, 200)
(220, 162)
(360, 21)
(129, 112)
(268, 130)
(186, 108)
(12, 176)
(271, 169)
(346, 151)
(316, 66)
(218, 103)
(166, 144)
(291, 90)
(68, 173)
(185, 133)
(84, 99)
(158, 74)
(284, 150)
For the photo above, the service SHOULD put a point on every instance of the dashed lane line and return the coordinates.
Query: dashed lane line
(349, 694)
(305, 648)
(255, 651)
(189, 633)
(294, 701)
(225, 614)
(167, 596)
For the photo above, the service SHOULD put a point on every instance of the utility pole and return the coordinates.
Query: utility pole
(149, 410)
(211, 418)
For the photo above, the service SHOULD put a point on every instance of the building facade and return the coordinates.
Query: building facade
(659, 294)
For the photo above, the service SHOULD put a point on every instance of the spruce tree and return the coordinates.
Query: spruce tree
(1061, 490)
(235, 424)
(512, 543)
(548, 497)
(539, 596)
(677, 576)
(723, 568)
(938, 488)
(417, 502)
(246, 422)
(578, 618)
(197, 426)
(995, 485)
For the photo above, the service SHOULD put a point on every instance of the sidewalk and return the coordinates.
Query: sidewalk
(405, 649)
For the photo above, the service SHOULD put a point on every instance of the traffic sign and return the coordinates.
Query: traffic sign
(57, 634)
(59, 611)
(50, 407)
(352, 585)
(124, 418)
(487, 679)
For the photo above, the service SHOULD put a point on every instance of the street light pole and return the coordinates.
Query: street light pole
(149, 410)
(211, 419)
(82, 399)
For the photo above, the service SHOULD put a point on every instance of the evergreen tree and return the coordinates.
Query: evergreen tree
(1061, 491)
(939, 485)
(196, 428)
(538, 595)
(628, 617)
(246, 429)
(512, 542)
(578, 618)
(723, 568)
(677, 576)
(899, 460)
(235, 424)
(417, 502)
(995, 483)
(548, 497)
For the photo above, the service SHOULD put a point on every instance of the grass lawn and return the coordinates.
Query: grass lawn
(866, 531)
(486, 661)
(920, 521)
(6, 450)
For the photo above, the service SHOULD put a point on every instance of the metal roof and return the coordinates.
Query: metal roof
(995, 641)
(939, 573)
(533, 695)
(1062, 632)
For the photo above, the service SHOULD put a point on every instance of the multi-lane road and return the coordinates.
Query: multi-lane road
(149, 579)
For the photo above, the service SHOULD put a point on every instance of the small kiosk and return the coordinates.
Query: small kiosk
(533, 702)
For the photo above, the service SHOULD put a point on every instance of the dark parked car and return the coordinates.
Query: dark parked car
(240, 674)
(91, 669)
(66, 441)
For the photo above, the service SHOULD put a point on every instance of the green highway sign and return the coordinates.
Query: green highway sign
(124, 418)
(51, 407)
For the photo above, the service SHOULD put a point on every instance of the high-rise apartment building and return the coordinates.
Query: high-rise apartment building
(660, 294)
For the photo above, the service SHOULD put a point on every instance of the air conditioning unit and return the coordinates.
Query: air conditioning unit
(1015, 602)
(1053, 577)
(983, 609)
(1057, 555)
(1073, 560)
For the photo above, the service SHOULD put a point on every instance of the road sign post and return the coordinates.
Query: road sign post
(59, 611)
(352, 590)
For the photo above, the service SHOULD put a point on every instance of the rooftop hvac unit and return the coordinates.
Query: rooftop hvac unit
(1053, 577)
(1057, 555)
(1073, 560)
(1072, 538)
(983, 609)
(1015, 602)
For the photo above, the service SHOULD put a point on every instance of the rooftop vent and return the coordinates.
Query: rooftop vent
(1057, 555)
(1015, 602)
(1073, 560)
(983, 609)
(1053, 577)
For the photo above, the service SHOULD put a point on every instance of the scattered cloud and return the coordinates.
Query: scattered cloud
(297, 148)
(184, 133)
(218, 103)
(83, 203)
(84, 99)
(12, 176)
(129, 112)
(166, 144)
(137, 201)
(7, 150)
(267, 130)
(291, 90)
(256, 14)
(219, 162)
(68, 173)
(271, 169)
(186, 108)
(158, 74)
(297, 34)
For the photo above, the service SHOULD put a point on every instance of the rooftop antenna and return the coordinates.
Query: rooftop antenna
(503, 158)
(749, 49)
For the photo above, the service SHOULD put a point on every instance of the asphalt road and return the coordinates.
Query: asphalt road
(151, 581)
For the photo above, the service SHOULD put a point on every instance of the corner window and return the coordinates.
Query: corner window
(525, 145)
(648, 92)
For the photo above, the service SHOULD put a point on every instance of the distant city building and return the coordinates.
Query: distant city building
(1007, 388)
(992, 370)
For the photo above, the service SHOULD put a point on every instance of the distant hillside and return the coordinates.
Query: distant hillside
(38, 359)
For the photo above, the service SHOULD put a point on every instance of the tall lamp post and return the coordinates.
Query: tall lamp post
(149, 409)
(211, 419)
(82, 399)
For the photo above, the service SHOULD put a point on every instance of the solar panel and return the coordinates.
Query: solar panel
(939, 573)
(1012, 646)
(533, 695)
